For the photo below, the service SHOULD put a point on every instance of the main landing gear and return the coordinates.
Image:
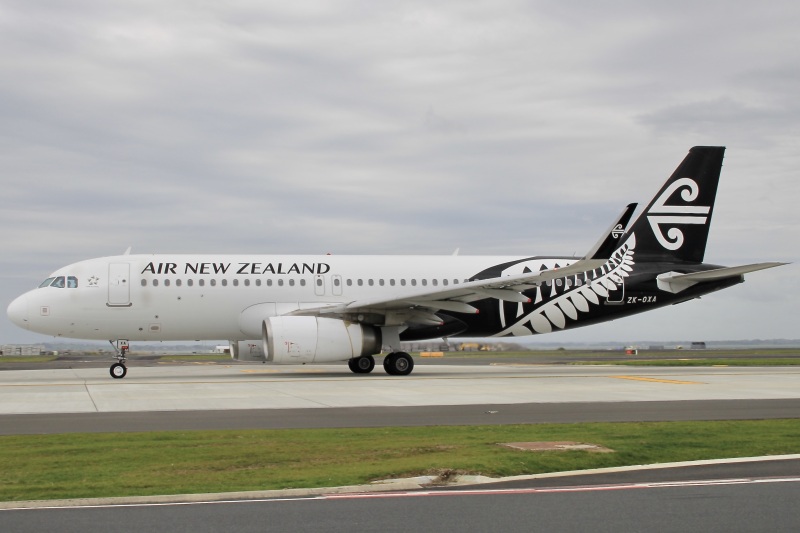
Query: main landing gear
(362, 365)
(395, 364)
(118, 369)
(398, 364)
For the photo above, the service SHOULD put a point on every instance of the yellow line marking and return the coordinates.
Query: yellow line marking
(655, 380)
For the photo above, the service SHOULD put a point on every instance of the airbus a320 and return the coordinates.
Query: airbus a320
(290, 309)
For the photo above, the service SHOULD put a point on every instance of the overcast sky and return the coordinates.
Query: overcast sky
(496, 126)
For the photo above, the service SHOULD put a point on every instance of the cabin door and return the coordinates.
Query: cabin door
(119, 285)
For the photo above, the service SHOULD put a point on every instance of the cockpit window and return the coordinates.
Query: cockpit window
(46, 283)
(72, 282)
(58, 282)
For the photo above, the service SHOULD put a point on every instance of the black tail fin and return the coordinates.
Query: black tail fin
(675, 225)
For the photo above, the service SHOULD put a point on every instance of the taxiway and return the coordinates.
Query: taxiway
(220, 396)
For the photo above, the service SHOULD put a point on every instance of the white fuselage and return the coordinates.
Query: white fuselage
(208, 297)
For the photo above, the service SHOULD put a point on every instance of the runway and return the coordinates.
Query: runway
(215, 396)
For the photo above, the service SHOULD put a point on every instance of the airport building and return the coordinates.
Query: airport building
(21, 349)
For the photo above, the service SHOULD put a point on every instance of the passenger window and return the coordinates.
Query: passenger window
(258, 283)
(72, 282)
(190, 282)
(236, 283)
(391, 282)
(247, 283)
(166, 283)
(201, 282)
(371, 282)
(424, 282)
(435, 282)
(302, 283)
(224, 282)
(178, 283)
(58, 282)
(155, 283)
(213, 282)
(291, 283)
(144, 283)
(444, 282)
(46, 283)
(413, 283)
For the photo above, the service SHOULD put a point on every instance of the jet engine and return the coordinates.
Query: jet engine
(310, 339)
(247, 350)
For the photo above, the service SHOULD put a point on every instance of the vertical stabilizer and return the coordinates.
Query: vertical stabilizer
(674, 227)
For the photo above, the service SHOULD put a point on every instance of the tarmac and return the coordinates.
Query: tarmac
(206, 387)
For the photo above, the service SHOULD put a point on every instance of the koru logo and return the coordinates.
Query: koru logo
(670, 215)
(618, 231)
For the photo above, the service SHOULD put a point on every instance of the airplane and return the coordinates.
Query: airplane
(293, 309)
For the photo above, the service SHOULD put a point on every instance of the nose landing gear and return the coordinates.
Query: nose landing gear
(118, 369)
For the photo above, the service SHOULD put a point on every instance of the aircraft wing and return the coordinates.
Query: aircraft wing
(675, 282)
(420, 307)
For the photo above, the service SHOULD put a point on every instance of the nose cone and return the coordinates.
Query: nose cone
(18, 311)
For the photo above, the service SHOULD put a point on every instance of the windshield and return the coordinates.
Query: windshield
(59, 282)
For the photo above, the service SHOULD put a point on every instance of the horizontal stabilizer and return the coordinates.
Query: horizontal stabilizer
(675, 282)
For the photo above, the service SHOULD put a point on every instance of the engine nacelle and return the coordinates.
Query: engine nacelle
(309, 339)
(247, 350)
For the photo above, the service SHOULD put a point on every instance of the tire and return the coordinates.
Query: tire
(362, 365)
(398, 364)
(118, 371)
(388, 363)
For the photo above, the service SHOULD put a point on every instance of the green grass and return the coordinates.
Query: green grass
(28, 358)
(195, 357)
(124, 464)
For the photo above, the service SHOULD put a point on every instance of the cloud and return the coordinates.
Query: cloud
(498, 127)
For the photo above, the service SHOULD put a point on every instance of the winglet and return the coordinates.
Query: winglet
(609, 240)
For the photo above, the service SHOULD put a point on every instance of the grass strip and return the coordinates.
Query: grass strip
(127, 464)
(194, 357)
(27, 358)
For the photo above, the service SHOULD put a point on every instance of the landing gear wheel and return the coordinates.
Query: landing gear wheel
(398, 364)
(362, 365)
(118, 370)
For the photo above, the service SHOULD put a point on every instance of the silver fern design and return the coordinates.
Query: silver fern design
(553, 310)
